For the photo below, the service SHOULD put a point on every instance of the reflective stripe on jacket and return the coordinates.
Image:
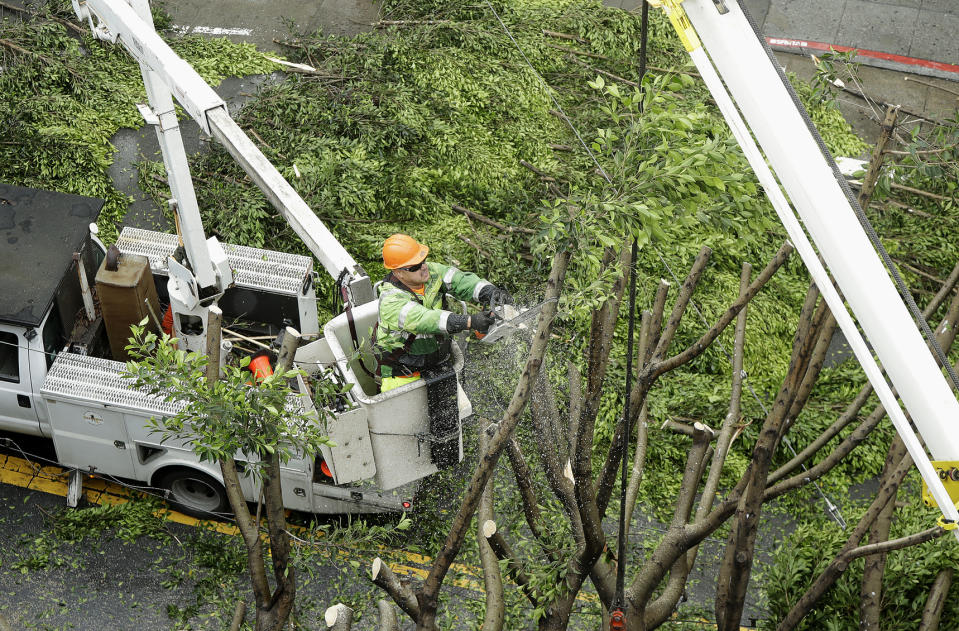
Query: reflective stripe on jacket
(403, 313)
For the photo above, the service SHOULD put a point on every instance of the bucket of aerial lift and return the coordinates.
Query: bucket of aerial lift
(398, 421)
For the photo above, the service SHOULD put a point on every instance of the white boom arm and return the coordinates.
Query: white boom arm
(130, 23)
(736, 53)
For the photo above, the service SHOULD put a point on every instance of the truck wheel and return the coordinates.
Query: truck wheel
(194, 493)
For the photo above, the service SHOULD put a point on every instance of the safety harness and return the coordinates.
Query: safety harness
(393, 357)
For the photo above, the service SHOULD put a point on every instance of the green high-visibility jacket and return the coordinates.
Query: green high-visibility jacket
(404, 313)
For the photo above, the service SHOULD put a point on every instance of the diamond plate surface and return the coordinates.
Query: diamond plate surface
(100, 380)
(277, 272)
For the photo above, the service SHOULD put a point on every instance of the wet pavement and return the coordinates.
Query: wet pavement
(262, 22)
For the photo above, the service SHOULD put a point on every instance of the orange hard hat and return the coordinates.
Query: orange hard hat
(402, 250)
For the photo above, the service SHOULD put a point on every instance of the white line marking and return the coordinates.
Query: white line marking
(212, 30)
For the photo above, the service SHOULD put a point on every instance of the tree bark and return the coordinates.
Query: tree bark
(936, 600)
(274, 615)
(737, 563)
(602, 328)
(611, 467)
(231, 483)
(871, 590)
(875, 164)
(339, 617)
(724, 439)
(524, 483)
(388, 621)
(492, 579)
(383, 577)
(735, 406)
(662, 607)
(239, 613)
(503, 552)
(870, 608)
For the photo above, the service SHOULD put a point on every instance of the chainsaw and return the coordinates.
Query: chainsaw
(512, 320)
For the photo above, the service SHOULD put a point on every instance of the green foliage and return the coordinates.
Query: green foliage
(399, 125)
(128, 522)
(63, 100)
(228, 416)
(836, 132)
(909, 573)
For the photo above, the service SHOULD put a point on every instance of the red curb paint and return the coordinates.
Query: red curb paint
(783, 42)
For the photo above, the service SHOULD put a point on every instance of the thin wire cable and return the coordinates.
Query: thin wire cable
(627, 418)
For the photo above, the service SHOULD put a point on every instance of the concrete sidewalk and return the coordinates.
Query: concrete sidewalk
(920, 29)
(916, 36)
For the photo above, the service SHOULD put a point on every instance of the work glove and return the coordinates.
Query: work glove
(456, 323)
(482, 321)
(494, 296)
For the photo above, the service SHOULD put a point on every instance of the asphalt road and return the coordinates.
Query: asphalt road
(120, 565)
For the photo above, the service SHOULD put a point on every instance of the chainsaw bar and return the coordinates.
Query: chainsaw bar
(509, 326)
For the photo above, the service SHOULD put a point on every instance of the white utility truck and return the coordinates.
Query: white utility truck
(64, 324)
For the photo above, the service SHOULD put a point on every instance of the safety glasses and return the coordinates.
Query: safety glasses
(414, 268)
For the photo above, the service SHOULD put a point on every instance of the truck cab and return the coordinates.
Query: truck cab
(42, 305)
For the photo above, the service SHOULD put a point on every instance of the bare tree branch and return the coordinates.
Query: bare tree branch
(700, 345)
(662, 607)
(682, 301)
(387, 615)
(870, 606)
(732, 416)
(339, 617)
(736, 568)
(503, 552)
(383, 577)
(936, 600)
(656, 324)
(492, 579)
(427, 595)
(239, 613)
(491, 222)
(575, 402)
(946, 327)
(849, 551)
(524, 482)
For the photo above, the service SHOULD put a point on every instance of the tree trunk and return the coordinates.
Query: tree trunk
(492, 578)
(875, 165)
(737, 562)
(936, 601)
(875, 565)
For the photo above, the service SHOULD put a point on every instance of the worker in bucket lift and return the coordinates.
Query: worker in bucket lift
(414, 328)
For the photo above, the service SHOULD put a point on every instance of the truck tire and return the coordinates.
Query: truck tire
(194, 492)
